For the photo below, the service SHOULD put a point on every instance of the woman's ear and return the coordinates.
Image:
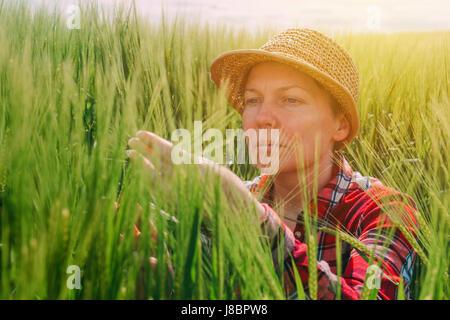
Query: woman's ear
(342, 129)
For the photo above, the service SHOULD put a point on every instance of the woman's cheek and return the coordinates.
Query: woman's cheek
(247, 120)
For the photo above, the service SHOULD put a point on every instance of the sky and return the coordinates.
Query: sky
(356, 15)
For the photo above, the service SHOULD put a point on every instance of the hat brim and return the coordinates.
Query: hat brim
(231, 68)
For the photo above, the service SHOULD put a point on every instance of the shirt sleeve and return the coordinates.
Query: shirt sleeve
(394, 251)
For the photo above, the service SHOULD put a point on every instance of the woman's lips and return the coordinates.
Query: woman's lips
(269, 147)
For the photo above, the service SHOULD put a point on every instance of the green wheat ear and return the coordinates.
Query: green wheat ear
(364, 251)
(354, 242)
(312, 267)
(3, 161)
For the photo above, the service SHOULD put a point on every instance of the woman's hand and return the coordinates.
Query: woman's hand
(147, 145)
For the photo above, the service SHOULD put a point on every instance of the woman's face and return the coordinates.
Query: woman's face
(278, 96)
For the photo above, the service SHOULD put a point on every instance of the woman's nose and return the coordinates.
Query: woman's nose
(266, 117)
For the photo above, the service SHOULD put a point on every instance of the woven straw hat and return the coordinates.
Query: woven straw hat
(308, 51)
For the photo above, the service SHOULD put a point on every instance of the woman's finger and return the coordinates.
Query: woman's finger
(153, 231)
(156, 143)
(138, 145)
(139, 159)
(153, 263)
(159, 159)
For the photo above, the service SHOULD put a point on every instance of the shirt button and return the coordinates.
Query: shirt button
(298, 234)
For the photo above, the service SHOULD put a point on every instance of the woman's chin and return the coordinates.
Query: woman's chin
(274, 168)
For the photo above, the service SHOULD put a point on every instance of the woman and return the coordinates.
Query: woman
(305, 85)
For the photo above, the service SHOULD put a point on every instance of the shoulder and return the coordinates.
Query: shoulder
(367, 201)
(372, 191)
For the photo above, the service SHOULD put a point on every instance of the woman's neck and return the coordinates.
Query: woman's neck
(289, 189)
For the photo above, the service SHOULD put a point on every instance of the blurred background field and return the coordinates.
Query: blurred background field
(71, 99)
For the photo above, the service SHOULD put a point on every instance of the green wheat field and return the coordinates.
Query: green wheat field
(71, 99)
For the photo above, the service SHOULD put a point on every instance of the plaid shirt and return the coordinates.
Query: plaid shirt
(357, 205)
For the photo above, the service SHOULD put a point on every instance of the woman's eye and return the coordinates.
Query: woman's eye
(292, 100)
(251, 100)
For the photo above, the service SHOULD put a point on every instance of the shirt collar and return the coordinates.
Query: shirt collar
(328, 197)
